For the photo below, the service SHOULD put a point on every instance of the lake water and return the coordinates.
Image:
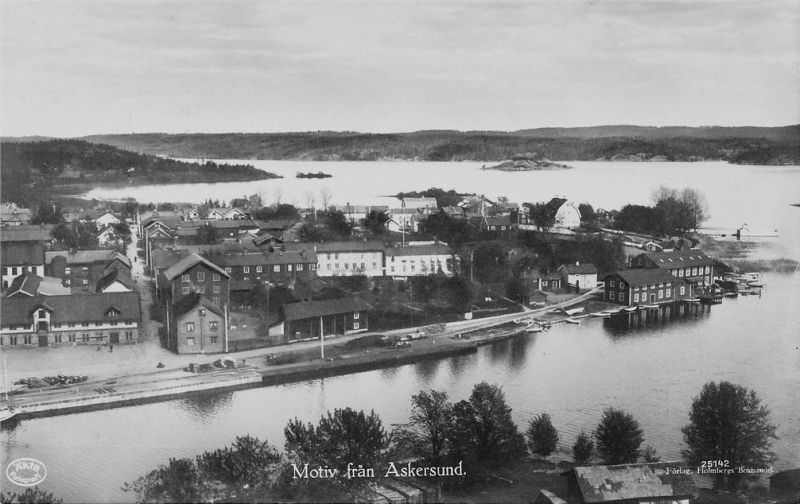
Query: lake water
(570, 372)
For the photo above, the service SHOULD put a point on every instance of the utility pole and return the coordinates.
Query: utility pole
(321, 338)
(225, 327)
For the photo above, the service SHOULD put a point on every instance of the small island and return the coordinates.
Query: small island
(527, 162)
(319, 175)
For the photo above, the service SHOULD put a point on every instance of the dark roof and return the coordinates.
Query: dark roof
(241, 285)
(679, 259)
(40, 233)
(627, 483)
(644, 276)
(580, 269)
(88, 257)
(266, 237)
(73, 308)
(163, 259)
(190, 261)
(502, 220)
(265, 258)
(418, 250)
(554, 204)
(115, 276)
(354, 246)
(26, 283)
(21, 253)
(192, 301)
(790, 479)
(308, 309)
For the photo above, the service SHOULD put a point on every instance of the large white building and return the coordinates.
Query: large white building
(350, 258)
(419, 261)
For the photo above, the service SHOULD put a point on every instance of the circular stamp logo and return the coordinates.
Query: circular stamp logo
(26, 472)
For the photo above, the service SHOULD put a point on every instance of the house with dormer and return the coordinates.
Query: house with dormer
(89, 319)
(691, 264)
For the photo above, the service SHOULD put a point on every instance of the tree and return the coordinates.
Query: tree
(178, 481)
(484, 429)
(33, 495)
(430, 425)
(695, 206)
(207, 234)
(347, 436)
(517, 290)
(47, 213)
(325, 197)
(542, 436)
(489, 260)
(650, 455)
(587, 212)
(618, 437)
(542, 216)
(728, 422)
(583, 449)
(376, 222)
(338, 223)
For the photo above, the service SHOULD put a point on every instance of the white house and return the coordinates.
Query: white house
(349, 259)
(419, 261)
(106, 220)
(583, 276)
(567, 215)
(106, 236)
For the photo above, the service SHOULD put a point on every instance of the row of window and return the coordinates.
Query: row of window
(201, 277)
(681, 272)
(22, 269)
(59, 338)
(84, 270)
(275, 268)
(212, 326)
(190, 340)
(74, 324)
(200, 289)
(662, 294)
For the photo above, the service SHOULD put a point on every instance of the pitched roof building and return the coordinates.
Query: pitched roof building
(310, 319)
(17, 258)
(657, 483)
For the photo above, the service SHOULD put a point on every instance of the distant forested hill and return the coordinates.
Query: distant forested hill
(747, 145)
(42, 164)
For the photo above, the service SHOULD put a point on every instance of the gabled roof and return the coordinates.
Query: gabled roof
(644, 276)
(266, 238)
(115, 276)
(579, 269)
(163, 259)
(679, 259)
(33, 285)
(418, 250)
(502, 220)
(40, 233)
(74, 308)
(188, 262)
(308, 309)
(329, 247)
(88, 257)
(189, 303)
(419, 203)
(629, 483)
(21, 253)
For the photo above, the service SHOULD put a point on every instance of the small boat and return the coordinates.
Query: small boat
(631, 308)
(9, 413)
(601, 315)
(533, 328)
(573, 311)
(731, 294)
(650, 306)
(571, 320)
(757, 283)
(692, 300)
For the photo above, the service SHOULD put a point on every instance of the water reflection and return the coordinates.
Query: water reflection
(458, 363)
(206, 406)
(653, 321)
(426, 370)
(520, 346)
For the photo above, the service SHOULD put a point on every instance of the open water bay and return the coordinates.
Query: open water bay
(570, 372)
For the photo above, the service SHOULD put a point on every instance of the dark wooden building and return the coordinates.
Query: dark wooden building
(310, 319)
(656, 483)
(634, 287)
(691, 265)
(194, 274)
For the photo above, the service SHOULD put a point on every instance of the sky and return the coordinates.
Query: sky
(70, 69)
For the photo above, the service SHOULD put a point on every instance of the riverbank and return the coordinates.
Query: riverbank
(134, 383)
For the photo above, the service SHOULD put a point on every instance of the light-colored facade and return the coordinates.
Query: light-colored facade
(420, 261)
(350, 259)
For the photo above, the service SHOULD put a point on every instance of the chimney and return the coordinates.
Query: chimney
(577, 263)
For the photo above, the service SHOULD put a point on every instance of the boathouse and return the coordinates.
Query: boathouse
(688, 264)
(634, 287)
(309, 319)
(580, 276)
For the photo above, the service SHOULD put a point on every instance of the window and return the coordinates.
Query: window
(288, 267)
(214, 339)
(201, 289)
(329, 266)
(28, 340)
(613, 283)
(216, 289)
(85, 282)
(246, 269)
(392, 269)
(356, 315)
(14, 271)
(185, 290)
(215, 300)
(227, 269)
(84, 324)
(58, 338)
(85, 337)
(128, 335)
(98, 336)
(299, 267)
(72, 338)
(660, 285)
(355, 266)
(189, 326)
(636, 298)
(683, 290)
(363, 266)
(611, 295)
(185, 278)
(680, 272)
(190, 341)
(336, 256)
(346, 265)
(622, 296)
(668, 293)
(622, 285)
(258, 269)
(708, 269)
(312, 267)
(277, 268)
(42, 314)
(85, 270)
(67, 270)
(329, 257)
(215, 277)
(356, 325)
(660, 294)
(201, 276)
(213, 325)
(694, 271)
(687, 272)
